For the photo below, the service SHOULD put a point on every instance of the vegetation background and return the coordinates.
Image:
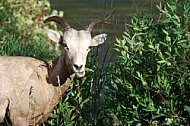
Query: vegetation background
(148, 84)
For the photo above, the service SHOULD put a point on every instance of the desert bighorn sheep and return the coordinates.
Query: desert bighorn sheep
(30, 88)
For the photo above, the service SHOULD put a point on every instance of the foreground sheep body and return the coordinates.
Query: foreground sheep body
(30, 88)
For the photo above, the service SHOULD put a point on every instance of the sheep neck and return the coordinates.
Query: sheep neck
(60, 73)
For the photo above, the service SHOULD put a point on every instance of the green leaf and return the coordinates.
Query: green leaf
(162, 61)
(89, 70)
(187, 108)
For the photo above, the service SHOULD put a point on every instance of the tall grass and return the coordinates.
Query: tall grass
(12, 46)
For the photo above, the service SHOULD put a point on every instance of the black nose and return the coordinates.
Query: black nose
(78, 67)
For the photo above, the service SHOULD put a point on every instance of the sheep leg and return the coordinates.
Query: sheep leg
(3, 107)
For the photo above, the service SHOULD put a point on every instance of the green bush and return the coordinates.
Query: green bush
(24, 19)
(153, 71)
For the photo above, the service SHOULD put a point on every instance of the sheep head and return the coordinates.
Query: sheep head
(76, 44)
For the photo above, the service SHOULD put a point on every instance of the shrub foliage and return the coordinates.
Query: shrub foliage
(153, 76)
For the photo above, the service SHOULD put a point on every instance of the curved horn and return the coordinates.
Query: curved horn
(100, 20)
(97, 21)
(59, 20)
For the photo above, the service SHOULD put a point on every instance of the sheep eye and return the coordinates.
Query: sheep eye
(65, 46)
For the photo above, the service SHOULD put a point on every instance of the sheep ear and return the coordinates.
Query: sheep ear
(54, 35)
(98, 39)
